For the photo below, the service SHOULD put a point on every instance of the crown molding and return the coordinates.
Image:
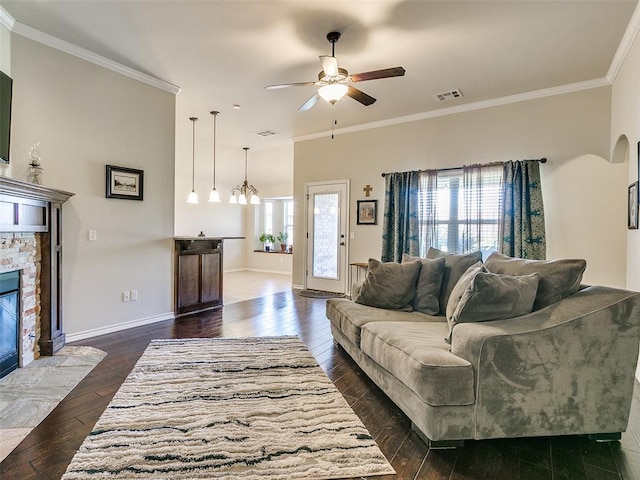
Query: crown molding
(625, 45)
(495, 102)
(6, 20)
(26, 31)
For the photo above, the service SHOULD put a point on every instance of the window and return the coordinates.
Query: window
(267, 216)
(460, 209)
(275, 215)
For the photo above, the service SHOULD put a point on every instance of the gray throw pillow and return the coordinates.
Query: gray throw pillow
(492, 296)
(461, 287)
(427, 298)
(454, 267)
(558, 278)
(389, 285)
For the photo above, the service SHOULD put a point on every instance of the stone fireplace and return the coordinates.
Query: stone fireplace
(31, 243)
(19, 252)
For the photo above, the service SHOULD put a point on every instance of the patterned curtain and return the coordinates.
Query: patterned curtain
(522, 226)
(400, 227)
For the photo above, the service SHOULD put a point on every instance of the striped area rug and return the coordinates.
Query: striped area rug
(249, 408)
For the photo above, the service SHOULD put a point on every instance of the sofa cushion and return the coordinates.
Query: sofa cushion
(349, 317)
(492, 296)
(558, 278)
(417, 355)
(389, 285)
(454, 267)
(427, 297)
(460, 287)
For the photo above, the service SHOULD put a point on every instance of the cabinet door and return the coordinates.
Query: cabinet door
(210, 277)
(188, 280)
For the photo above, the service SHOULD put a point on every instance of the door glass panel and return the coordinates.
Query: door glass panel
(326, 221)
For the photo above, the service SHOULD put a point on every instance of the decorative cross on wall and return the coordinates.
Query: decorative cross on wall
(367, 190)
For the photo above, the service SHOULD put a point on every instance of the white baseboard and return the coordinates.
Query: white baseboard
(95, 332)
(267, 271)
(297, 287)
(256, 270)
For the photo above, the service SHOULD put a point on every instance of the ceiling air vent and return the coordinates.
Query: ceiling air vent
(266, 133)
(450, 95)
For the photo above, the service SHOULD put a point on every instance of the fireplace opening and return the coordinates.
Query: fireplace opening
(9, 321)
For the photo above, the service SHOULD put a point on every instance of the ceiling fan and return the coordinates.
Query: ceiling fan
(333, 81)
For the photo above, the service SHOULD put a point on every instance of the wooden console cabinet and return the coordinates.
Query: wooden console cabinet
(198, 274)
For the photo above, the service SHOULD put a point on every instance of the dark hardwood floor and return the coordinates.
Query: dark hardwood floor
(48, 449)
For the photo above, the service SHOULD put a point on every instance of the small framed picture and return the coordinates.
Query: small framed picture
(367, 212)
(632, 215)
(125, 183)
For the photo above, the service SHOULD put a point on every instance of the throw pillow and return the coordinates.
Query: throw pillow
(558, 278)
(460, 287)
(454, 267)
(427, 297)
(389, 285)
(492, 296)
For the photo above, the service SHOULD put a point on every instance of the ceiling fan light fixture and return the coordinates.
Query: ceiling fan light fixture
(334, 92)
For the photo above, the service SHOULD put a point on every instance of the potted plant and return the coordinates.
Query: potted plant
(267, 239)
(282, 238)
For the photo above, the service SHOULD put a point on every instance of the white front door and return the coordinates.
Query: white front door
(327, 225)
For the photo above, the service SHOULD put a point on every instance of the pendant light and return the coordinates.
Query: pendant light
(245, 190)
(193, 196)
(214, 196)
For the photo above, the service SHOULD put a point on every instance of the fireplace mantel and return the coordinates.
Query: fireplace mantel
(27, 207)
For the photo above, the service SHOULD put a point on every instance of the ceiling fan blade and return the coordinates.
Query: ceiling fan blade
(285, 85)
(329, 65)
(375, 74)
(360, 96)
(309, 103)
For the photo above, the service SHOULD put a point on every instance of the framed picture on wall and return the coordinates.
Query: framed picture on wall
(125, 183)
(632, 215)
(367, 212)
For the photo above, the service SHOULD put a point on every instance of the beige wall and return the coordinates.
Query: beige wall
(625, 133)
(568, 129)
(86, 117)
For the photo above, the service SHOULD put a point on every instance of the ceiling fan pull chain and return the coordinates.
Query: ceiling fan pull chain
(333, 118)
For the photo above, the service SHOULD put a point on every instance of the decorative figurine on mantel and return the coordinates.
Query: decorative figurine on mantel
(34, 171)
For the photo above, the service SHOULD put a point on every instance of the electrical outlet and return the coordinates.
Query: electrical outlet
(93, 236)
(126, 296)
(134, 295)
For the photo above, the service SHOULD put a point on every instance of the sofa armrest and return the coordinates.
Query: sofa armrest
(567, 368)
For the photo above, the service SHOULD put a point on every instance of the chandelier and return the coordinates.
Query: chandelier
(245, 190)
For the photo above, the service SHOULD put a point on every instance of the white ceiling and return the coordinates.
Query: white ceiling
(222, 53)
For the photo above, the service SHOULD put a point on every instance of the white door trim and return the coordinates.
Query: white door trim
(346, 210)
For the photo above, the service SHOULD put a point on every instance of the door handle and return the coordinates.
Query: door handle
(342, 243)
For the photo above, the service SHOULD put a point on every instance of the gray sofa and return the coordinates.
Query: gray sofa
(565, 368)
